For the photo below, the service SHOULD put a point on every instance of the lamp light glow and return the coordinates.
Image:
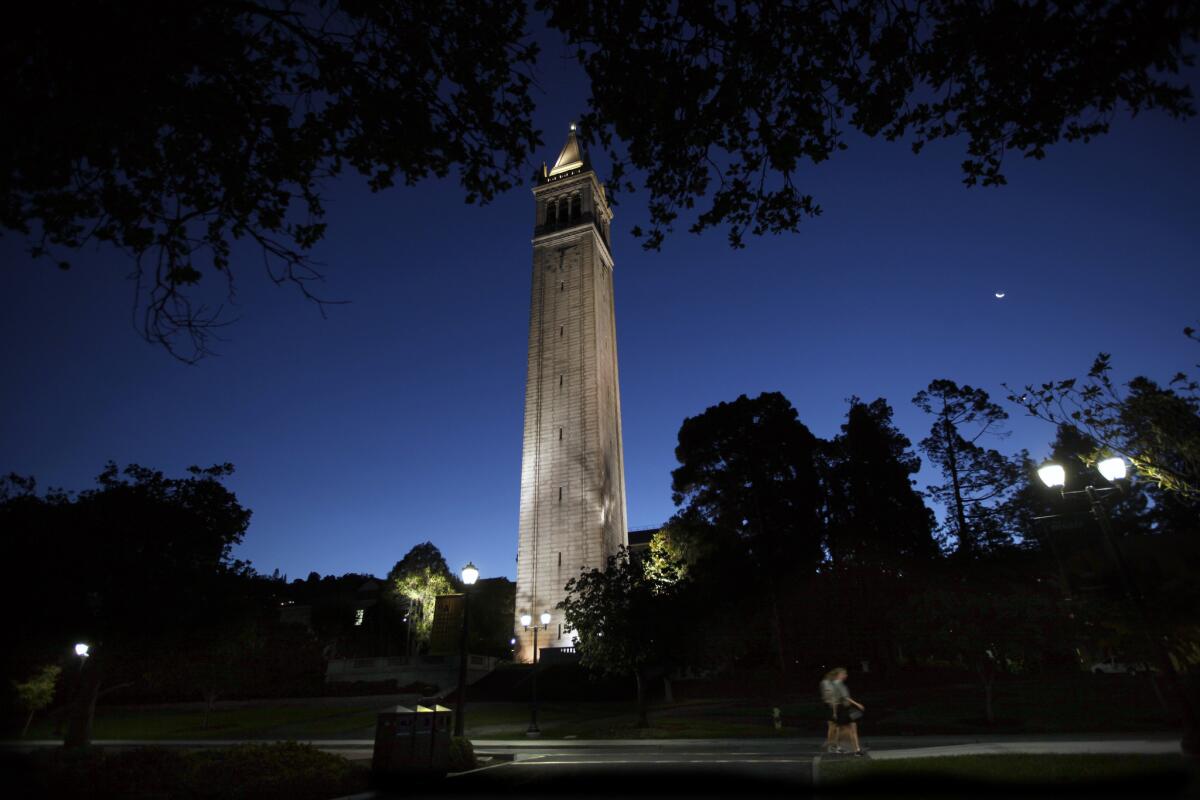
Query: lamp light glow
(1113, 469)
(545, 617)
(1053, 475)
(526, 620)
(470, 574)
(81, 650)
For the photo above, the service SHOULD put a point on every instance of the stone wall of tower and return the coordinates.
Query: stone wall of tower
(572, 470)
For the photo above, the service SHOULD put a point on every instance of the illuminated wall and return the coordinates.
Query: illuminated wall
(572, 469)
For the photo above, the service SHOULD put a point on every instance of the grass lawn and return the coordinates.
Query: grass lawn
(1112, 772)
(1071, 704)
(510, 720)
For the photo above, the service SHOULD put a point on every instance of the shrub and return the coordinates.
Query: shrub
(144, 772)
(462, 754)
(283, 770)
(272, 771)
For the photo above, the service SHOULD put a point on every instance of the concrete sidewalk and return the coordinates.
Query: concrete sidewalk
(1048, 743)
(1109, 747)
(1161, 742)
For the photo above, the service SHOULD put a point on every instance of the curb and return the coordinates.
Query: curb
(1128, 747)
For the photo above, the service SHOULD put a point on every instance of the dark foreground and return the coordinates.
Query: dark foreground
(635, 782)
(744, 772)
(301, 772)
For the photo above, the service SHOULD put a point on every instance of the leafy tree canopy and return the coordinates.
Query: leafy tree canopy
(689, 547)
(119, 566)
(173, 130)
(747, 468)
(720, 105)
(420, 577)
(36, 692)
(979, 480)
(875, 516)
(130, 559)
(1156, 427)
(990, 627)
(625, 622)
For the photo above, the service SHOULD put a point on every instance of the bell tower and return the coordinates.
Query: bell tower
(572, 467)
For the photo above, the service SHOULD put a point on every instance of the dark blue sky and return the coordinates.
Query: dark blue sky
(398, 419)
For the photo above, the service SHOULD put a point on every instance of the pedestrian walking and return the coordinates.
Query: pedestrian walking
(829, 697)
(844, 710)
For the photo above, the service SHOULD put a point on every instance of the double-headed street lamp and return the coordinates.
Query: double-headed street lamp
(527, 621)
(1114, 471)
(469, 575)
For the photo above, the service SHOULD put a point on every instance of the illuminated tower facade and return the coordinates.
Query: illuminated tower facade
(572, 468)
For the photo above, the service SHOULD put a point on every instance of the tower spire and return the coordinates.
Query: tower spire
(572, 155)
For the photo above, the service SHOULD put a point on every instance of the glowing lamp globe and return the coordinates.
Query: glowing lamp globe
(470, 574)
(1113, 469)
(545, 617)
(81, 650)
(1053, 475)
(526, 620)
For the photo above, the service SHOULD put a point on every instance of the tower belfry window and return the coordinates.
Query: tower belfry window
(576, 207)
(551, 208)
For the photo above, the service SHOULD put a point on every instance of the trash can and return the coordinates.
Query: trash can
(411, 742)
(439, 745)
(393, 741)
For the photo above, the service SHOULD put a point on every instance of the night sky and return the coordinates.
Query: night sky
(398, 418)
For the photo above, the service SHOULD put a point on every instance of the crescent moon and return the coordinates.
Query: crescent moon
(1000, 295)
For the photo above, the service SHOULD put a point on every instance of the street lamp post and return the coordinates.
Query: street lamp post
(527, 621)
(469, 576)
(1114, 470)
(82, 650)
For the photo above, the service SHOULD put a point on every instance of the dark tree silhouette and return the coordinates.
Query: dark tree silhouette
(987, 624)
(1156, 427)
(748, 468)
(725, 102)
(171, 130)
(978, 479)
(626, 623)
(878, 538)
(127, 563)
(876, 517)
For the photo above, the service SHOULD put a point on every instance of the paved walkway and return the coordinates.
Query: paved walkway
(880, 746)
(1111, 747)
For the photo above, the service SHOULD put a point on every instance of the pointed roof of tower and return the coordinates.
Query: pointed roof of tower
(572, 156)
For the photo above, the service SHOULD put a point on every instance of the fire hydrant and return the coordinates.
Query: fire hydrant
(777, 719)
